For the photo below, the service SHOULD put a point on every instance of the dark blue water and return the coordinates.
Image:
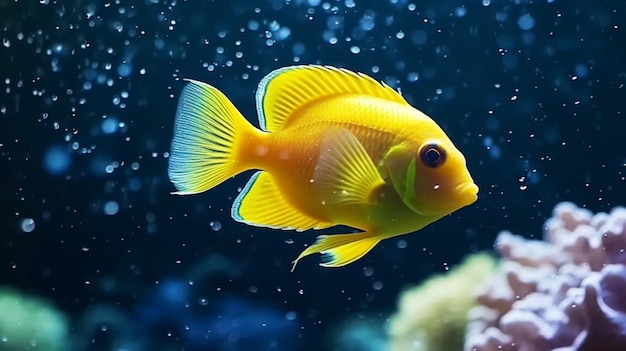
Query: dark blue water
(532, 92)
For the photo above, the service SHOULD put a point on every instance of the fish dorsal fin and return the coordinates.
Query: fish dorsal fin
(261, 204)
(344, 173)
(287, 89)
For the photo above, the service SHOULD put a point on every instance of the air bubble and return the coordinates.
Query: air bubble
(56, 160)
(111, 208)
(27, 225)
(215, 225)
(109, 125)
(526, 22)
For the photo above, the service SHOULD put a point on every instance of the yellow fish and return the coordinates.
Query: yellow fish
(335, 148)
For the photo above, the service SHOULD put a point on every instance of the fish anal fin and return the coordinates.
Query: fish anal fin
(344, 173)
(285, 90)
(340, 249)
(261, 204)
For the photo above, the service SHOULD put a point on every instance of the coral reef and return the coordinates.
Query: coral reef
(566, 293)
(432, 316)
(30, 324)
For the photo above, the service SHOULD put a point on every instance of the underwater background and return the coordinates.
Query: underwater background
(96, 254)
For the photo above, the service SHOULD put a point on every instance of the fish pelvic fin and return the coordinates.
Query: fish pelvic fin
(340, 249)
(209, 134)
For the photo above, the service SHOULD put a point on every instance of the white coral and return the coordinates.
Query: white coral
(556, 294)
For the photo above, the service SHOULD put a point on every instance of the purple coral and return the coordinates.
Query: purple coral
(567, 293)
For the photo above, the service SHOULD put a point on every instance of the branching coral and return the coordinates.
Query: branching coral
(567, 293)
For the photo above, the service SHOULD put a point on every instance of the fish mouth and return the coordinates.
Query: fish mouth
(468, 192)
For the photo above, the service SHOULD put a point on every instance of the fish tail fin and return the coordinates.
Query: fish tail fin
(209, 133)
(340, 249)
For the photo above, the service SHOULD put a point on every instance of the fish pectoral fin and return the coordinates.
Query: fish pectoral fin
(340, 249)
(344, 173)
(262, 204)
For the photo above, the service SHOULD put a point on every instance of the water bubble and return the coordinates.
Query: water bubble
(487, 141)
(368, 271)
(215, 225)
(173, 292)
(203, 301)
(111, 208)
(125, 69)
(367, 22)
(532, 177)
(401, 243)
(494, 152)
(159, 43)
(253, 25)
(460, 11)
(334, 22)
(298, 49)
(581, 70)
(291, 315)
(56, 160)
(101, 78)
(377, 285)
(27, 225)
(274, 26)
(282, 34)
(526, 22)
(502, 16)
(412, 76)
(109, 125)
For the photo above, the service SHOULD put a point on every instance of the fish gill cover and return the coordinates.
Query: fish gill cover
(529, 91)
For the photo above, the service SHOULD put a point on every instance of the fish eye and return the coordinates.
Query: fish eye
(432, 155)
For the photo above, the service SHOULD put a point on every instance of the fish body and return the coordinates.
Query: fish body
(334, 148)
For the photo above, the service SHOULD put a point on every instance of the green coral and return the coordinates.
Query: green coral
(433, 315)
(30, 324)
